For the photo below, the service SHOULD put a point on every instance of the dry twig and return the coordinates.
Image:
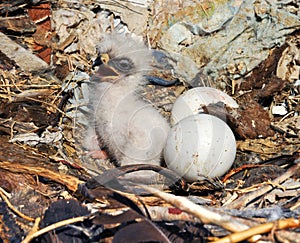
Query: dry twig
(70, 182)
(54, 226)
(16, 211)
(260, 229)
(205, 215)
(246, 199)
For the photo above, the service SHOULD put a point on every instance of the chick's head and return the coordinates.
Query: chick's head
(120, 56)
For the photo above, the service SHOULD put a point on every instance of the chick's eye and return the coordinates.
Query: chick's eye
(121, 64)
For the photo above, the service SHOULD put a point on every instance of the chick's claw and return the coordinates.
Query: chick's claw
(97, 154)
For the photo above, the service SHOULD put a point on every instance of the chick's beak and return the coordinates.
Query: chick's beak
(105, 72)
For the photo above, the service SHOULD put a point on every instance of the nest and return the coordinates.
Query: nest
(51, 189)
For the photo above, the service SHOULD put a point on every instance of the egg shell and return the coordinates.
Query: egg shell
(200, 145)
(191, 102)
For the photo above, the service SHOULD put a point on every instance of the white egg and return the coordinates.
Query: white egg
(200, 145)
(191, 102)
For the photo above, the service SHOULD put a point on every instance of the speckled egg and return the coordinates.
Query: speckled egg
(200, 145)
(191, 102)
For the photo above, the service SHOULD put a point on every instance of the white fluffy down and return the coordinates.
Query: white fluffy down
(133, 130)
